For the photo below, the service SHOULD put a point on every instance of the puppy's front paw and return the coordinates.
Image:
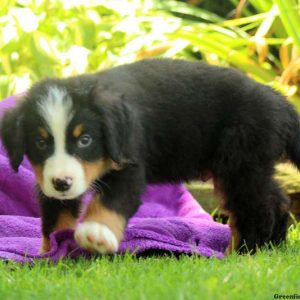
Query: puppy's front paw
(96, 237)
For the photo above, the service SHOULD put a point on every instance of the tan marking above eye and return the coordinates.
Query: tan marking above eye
(77, 131)
(43, 132)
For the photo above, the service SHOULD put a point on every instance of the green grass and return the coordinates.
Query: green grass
(261, 276)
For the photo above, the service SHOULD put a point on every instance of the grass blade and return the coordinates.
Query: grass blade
(289, 15)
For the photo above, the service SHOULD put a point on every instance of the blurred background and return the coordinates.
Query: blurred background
(46, 38)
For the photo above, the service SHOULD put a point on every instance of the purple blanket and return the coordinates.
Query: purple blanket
(169, 219)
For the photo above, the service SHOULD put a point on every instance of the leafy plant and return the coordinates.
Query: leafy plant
(60, 38)
(264, 45)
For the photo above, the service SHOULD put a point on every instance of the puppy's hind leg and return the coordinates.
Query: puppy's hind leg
(280, 204)
(243, 167)
(250, 209)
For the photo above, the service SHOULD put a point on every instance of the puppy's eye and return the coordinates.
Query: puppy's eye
(84, 141)
(41, 144)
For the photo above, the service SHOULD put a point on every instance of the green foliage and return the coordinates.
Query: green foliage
(264, 45)
(42, 38)
(62, 38)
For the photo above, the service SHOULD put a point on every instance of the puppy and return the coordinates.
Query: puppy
(156, 120)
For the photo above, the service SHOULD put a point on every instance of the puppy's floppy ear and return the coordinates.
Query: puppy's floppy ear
(121, 127)
(12, 135)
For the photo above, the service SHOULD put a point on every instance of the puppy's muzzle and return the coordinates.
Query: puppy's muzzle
(62, 185)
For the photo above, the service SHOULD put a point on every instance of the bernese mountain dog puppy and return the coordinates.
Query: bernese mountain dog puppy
(153, 121)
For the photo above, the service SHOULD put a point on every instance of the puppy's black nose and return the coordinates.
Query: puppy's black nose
(62, 185)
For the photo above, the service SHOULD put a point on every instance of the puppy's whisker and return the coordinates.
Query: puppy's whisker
(99, 183)
(96, 187)
(104, 183)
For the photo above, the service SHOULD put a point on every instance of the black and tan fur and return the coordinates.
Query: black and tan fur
(166, 120)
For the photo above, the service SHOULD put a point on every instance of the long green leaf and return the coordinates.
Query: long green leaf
(251, 19)
(188, 10)
(261, 5)
(235, 58)
(290, 17)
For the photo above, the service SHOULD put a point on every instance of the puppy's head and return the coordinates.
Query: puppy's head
(69, 138)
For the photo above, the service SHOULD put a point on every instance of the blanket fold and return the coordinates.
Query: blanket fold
(169, 219)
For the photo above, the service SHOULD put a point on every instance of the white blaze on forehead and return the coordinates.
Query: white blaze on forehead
(56, 109)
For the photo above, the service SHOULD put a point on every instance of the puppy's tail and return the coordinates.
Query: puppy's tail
(293, 139)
